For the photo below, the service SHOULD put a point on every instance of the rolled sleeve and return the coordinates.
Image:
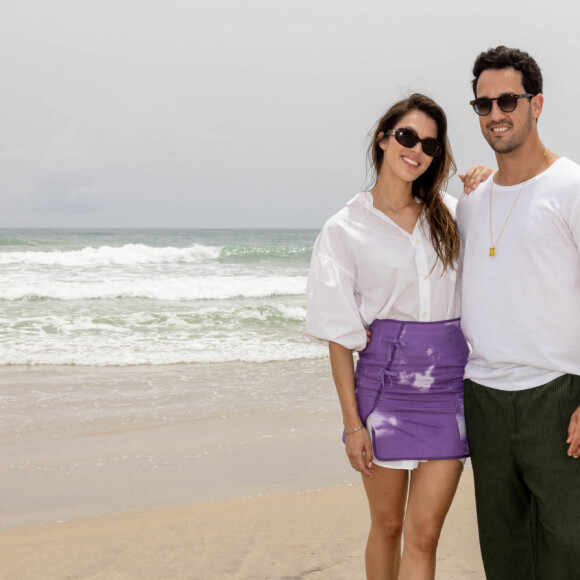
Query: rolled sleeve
(332, 312)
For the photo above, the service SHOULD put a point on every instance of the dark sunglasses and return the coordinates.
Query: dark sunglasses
(507, 103)
(409, 138)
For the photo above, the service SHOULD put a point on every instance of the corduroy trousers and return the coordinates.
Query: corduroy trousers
(527, 488)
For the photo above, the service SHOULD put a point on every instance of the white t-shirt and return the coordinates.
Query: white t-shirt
(521, 307)
(365, 267)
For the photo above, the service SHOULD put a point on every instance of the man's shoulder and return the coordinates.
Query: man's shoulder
(469, 202)
(449, 201)
(564, 168)
(562, 183)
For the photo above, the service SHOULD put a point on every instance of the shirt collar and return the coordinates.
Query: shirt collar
(364, 198)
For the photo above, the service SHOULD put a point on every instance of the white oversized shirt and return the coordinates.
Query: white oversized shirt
(521, 307)
(365, 267)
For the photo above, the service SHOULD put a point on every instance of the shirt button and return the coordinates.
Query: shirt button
(424, 314)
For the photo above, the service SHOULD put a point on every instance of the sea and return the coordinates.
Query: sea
(142, 368)
(101, 297)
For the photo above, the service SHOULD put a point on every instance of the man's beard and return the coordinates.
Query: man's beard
(513, 142)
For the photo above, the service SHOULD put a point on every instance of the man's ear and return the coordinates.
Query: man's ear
(537, 105)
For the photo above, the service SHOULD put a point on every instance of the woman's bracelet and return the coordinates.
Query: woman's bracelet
(357, 429)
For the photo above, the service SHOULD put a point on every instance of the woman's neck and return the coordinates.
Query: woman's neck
(395, 200)
(392, 195)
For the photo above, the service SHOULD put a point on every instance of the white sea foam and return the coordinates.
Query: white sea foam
(292, 312)
(153, 297)
(161, 288)
(201, 320)
(259, 332)
(127, 255)
(134, 354)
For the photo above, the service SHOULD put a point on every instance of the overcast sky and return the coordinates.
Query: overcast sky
(242, 113)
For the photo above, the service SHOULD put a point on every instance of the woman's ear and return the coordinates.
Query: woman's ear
(382, 141)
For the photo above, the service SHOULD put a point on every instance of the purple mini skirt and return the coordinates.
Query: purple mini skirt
(409, 389)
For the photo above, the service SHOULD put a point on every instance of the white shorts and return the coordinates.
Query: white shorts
(403, 463)
(408, 463)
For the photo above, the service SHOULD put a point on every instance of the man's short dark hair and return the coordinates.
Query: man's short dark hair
(503, 57)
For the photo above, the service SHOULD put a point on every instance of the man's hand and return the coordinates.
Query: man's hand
(475, 175)
(574, 435)
(360, 451)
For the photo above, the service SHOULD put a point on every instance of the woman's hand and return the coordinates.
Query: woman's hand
(357, 440)
(360, 451)
(476, 175)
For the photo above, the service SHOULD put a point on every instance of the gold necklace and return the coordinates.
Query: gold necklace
(493, 245)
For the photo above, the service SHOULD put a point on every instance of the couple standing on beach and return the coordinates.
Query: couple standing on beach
(395, 262)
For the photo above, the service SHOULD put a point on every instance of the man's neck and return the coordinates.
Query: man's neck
(522, 164)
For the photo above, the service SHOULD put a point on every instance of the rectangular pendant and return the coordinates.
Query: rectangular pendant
(492, 251)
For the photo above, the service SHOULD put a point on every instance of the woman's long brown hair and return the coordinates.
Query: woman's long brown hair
(429, 186)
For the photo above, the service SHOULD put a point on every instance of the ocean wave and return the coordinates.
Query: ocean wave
(201, 320)
(236, 316)
(122, 357)
(15, 242)
(253, 333)
(251, 254)
(120, 350)
(127, 255)
(172, 289)
(137, 254)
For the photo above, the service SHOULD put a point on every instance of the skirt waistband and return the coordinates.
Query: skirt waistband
(420, 354)
(422, 338)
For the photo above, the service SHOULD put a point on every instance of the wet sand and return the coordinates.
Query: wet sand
(170, 492)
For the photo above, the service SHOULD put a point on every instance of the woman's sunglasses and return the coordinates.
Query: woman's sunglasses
(409, 138)
(507, 103)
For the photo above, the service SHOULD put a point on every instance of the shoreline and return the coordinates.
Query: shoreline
(116, 474)
(185, 462)
(279, 536)
(95, 441)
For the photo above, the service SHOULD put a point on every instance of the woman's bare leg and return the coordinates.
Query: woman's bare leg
(431, 491)
(387, 494)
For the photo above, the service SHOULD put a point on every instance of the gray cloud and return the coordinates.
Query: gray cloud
(238, 114)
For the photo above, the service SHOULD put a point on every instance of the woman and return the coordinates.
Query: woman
(387, 262)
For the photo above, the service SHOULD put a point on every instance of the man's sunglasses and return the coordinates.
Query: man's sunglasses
(507, 103)
(409, 138)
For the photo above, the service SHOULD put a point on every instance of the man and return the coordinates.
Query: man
(520, 234)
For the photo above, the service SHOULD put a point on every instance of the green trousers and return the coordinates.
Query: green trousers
(527, 489)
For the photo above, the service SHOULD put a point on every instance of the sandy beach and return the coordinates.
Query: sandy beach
(154, 489)
(316, 534)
